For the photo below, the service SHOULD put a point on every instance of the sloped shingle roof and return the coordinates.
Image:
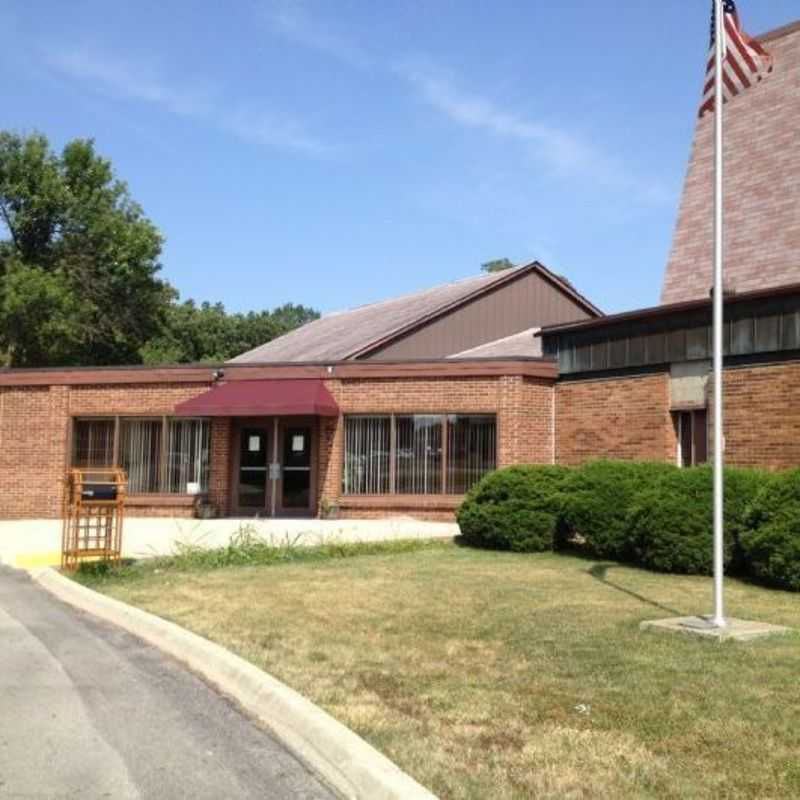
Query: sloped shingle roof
(762, 184)
(343, 335)
(525, 343)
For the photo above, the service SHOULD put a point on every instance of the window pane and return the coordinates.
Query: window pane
(700, 436)
(366, 455)
(686, 438)
(187, 455)
(418, 455)
(140, 454)
(471, 451)
(94, 443)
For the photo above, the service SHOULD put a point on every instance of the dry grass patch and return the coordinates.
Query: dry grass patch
(509, 676)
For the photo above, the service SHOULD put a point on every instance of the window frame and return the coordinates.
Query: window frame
(684, 460)
(446, 419)
(164, 420)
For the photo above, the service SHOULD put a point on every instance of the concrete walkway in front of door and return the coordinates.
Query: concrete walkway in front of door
(88, 711)
(37, 543)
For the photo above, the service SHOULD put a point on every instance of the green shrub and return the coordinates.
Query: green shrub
(597, 504)
(517, 508)
(672, 522)
(771, 542)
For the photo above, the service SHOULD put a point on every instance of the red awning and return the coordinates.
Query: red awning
(262, 399)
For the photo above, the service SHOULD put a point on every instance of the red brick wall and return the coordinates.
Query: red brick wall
(624, 418)
(35, 425)
(35, 442)
(762, 416)
(524, 422)
(33, 449)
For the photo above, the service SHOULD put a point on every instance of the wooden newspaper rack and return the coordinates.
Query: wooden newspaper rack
(94, 510)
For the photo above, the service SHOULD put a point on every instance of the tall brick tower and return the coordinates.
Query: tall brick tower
(762, 187)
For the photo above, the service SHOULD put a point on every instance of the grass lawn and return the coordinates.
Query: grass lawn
(493, 675)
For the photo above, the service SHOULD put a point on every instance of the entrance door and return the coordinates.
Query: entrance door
(297, 494)
(252, 484)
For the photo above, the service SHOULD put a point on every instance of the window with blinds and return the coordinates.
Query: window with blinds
(160, 455)
(140, 454)
(366, 455)
(417, 453)
(187, 454)
(471, 451)
(93, 443)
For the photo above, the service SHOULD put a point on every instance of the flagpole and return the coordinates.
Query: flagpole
(718, 618)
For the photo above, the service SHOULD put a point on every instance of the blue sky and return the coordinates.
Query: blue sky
(334, 153)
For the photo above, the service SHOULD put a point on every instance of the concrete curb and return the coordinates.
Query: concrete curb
(344, 760)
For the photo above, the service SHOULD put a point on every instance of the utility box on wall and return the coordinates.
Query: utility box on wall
(688, 385)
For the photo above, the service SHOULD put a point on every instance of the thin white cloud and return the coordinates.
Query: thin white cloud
(118, 78)
(289, 19)
(560, 150)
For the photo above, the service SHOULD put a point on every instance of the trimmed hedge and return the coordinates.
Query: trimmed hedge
(654, 515)
(597, 501)
(517, 508)
(771, 542)
(672, 523)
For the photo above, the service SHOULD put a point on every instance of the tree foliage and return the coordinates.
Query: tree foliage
(78, 269)
(497, 265)
(195, 333)
(79, 265)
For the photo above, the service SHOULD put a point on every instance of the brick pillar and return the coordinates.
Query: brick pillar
(58, 444)
(219, 479)
(330, 459)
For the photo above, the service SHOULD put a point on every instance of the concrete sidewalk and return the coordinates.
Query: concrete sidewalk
(88, 711)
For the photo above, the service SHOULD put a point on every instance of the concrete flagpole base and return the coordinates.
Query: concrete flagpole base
(738, 630)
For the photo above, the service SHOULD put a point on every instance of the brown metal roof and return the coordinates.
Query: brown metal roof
(525, 344)
(350, 334)
(666, 310)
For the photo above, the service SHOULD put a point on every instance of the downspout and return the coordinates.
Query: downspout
(553, 423)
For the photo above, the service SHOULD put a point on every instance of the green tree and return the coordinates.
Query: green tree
(207, 333)
(79, 261)
(497, 265)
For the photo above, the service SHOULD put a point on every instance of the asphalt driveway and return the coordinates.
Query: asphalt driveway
(88, 711)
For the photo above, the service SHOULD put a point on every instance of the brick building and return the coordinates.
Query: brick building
(392, 409)
(395, 409)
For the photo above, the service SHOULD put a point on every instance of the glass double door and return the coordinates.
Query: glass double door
(274, 474)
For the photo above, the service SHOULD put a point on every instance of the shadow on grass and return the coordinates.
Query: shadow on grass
(599, 573)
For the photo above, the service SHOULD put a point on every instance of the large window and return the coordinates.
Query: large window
(366, 455)
(93, 443)
(187, 454)
(471, 451)
(417, 454)
(160, 455)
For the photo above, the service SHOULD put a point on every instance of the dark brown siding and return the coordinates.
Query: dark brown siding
(529, 302)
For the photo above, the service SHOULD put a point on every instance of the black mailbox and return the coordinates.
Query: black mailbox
(99, 491)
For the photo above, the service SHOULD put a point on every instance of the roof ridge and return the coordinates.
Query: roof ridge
(780, 32)
(488, 278)
(499, 277)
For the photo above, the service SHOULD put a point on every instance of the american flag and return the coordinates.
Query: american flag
(745, 61)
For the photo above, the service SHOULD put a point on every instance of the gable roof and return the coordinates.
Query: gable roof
(352, 334)
(762, 184)
(525, 343)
